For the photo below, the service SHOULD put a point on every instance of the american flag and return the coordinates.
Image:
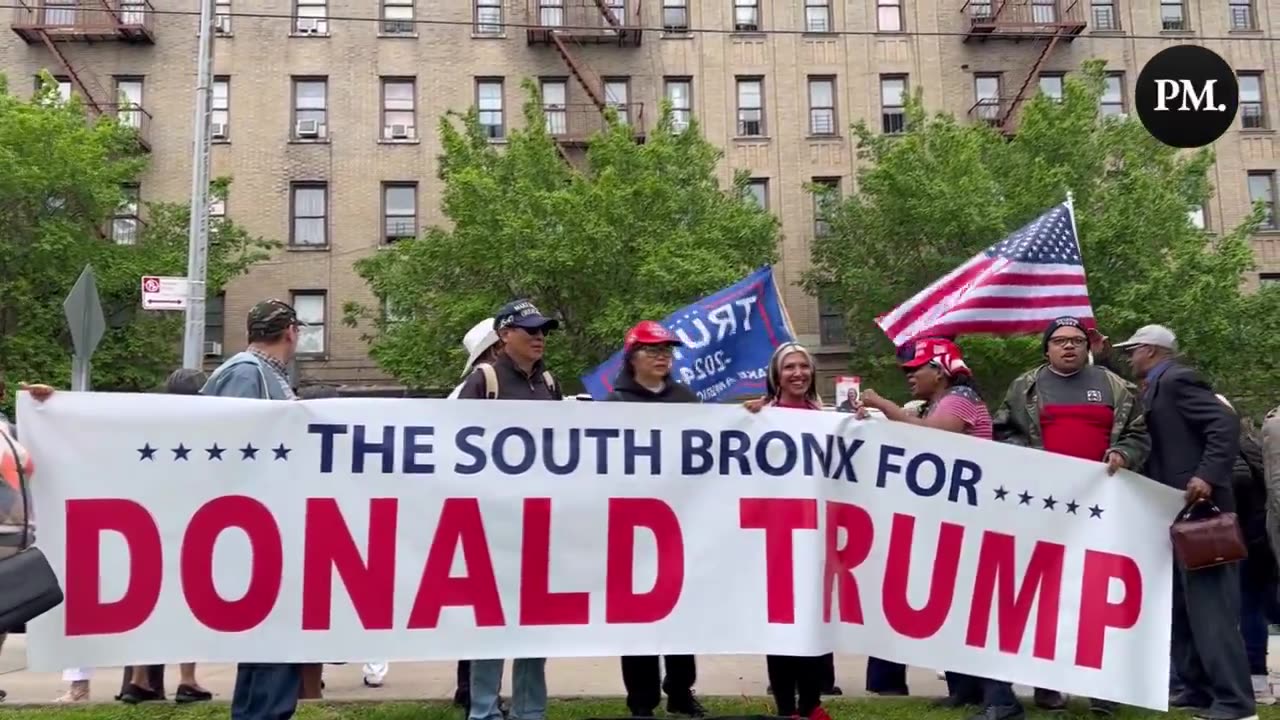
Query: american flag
(1014, 287)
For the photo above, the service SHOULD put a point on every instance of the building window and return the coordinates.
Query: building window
(125, 221)
(1051, 86)
(1197, 218)
(617, 94)
(1173, 15)
(831, 321)
(746, 15)
(758, 192)
(398, 116)
(217, 208)
(64, 87)
(1262, 189)
(222, 17)
(214, 325)
(488, 17)
(817, 16)
(310, 308)
(750, 107)
(675, 15)
(397, 17)
(1111, 103)
(489, 103)
(129, 102)
(986, 93)
(1242, 17)
(1268, 278)
(1104, 15)
(311, 17)
(822, 106)
(310, 209)
(399, 211)
(893, 111)
(220, 109)
(679, 92)
(555, 94)
(826, 194)
(310, 108)
(889, 15)
(1253, 112)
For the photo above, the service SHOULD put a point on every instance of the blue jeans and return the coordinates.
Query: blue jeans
(528, 689)
(1257, 607)
(265, 691)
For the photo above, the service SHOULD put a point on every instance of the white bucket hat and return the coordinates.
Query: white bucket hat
(477, 340)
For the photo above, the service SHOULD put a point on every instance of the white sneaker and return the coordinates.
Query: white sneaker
(1262, 692)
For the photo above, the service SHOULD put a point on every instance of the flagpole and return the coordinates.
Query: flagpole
(1071, 210)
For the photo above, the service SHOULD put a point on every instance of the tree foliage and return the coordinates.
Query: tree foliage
(61, 179)
(929, 199)
(639, 231)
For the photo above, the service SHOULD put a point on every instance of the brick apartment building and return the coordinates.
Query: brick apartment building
(325, 111)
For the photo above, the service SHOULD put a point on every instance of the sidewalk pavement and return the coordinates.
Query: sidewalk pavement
(731, 675)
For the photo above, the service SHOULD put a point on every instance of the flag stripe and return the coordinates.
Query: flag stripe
(1013, 287)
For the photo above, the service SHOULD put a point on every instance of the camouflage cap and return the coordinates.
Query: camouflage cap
(270, 317)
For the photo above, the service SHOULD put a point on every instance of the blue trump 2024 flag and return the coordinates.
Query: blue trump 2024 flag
(728, 339)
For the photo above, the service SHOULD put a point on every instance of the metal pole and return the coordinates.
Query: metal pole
(198, 235)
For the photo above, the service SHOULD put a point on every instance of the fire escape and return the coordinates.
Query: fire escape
(1045, 21)
(572, 27)
(59, 24)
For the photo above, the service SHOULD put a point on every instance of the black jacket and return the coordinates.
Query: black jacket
(1193, 434)
(513, 383)
(626, 389)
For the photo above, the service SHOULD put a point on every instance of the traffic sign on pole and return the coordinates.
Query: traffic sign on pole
(83, 310)
(164, 293)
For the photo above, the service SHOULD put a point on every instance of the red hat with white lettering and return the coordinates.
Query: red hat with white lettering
(648, 332)
(943, 354)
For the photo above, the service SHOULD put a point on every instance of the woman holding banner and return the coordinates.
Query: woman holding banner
(791, 384)
(937, 374)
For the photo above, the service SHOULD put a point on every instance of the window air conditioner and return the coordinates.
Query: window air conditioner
(212, 349)
(218, 130)
(308, 26)
(399, 132)
(222, 24)
(308, 128)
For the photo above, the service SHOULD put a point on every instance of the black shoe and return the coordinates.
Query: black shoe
(833, 691)
(3, 695)
(135, 694)
(953, 702)
(1189, 701)
(644, 713)
(1050, 700)
(188, 694)
(1102, 708)
(685, 705)
(1001, 712)
(890, 693)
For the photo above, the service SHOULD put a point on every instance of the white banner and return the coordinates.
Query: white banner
(219, 530)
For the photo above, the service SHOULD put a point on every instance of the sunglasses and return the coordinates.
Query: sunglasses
(534, 332)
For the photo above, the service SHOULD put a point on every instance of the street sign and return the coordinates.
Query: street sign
(83, 310)
(164, 293)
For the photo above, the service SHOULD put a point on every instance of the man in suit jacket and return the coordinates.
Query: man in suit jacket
(1195, 440)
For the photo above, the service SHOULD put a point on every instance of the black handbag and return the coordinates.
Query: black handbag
(28, 586)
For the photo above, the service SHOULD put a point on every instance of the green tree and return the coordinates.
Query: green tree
(641, 230)
(932, 197)
(61, 180)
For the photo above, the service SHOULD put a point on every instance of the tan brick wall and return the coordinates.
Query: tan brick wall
(261, 58)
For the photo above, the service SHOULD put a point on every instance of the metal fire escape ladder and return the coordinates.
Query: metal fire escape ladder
(1006, 122)
(608, 15)
(585, 77)
(108, 6)
(76, 79)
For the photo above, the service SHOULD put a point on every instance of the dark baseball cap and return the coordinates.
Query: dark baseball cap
(523, 314)
(272, 316)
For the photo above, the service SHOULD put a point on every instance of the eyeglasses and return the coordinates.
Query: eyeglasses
(1064, 342)
(657, 350)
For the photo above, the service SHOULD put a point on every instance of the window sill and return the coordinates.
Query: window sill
(488, 36)
(1177, 33)
(309, 141)
(677, 35)
(309, 35)
(393, 141)
(1267, 233)
(312, 357)
(1245, 31)
(1257, 131)
(748, 34)
(307, 248)
(752, 138)
(824, 138)
(818, 35)
(1107, 31)
(891, 33)
(224, 34)
(407, 36)
(498, 141)
(220, 141)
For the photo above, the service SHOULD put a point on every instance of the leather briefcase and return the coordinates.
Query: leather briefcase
(1214, 538)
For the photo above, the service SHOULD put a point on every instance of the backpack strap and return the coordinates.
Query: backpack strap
(490, 380)
(549, 380)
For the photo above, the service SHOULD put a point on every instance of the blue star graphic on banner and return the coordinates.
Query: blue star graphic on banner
(249, 452)
(1072, 507)
(282, 452)
(146, 452)
(1095, 512)
(1001, 493)
(181, 452)
(215, 452)
(1024, 498)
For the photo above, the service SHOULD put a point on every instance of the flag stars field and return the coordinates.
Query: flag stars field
(182, 453)
(1071, 507)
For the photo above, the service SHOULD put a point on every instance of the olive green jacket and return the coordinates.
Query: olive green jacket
(1017, 421)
